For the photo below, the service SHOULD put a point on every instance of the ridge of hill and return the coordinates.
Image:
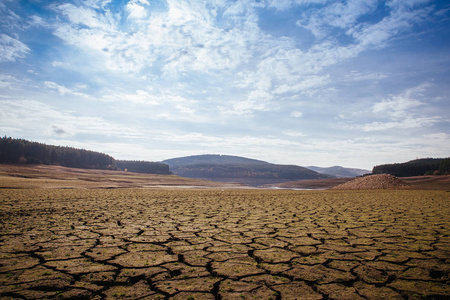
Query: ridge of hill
(417, 167)
(216, 159)
(339, 171)
(226, 168)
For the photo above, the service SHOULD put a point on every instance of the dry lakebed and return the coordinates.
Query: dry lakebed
(224, 244)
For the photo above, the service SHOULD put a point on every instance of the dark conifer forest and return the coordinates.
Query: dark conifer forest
(137, 166)
(418, 167)
(21, 151)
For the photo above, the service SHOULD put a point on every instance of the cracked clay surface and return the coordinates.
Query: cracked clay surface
(231, 244)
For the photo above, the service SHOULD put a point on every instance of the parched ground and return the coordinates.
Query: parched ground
(224, 244)
(429, 182)
(46, 176)
(378, 181)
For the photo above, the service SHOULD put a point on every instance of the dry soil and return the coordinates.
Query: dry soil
(224, 244)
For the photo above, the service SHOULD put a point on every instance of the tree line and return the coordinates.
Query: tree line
(260, 171)
(21, 151)
(418, 167)
(137, 166)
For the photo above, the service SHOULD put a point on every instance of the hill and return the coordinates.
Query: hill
(379, 181)
(215, 159)
(339, 171)
(248, 171)
(21, 151)
(417, 167)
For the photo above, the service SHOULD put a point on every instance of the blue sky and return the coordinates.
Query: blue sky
(307, 82)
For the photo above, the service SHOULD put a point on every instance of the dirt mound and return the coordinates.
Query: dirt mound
(380, 181)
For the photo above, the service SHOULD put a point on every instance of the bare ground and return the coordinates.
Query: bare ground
(224, 244)
(92, 240)
(378, 181)
(417, 182)
(45, 176)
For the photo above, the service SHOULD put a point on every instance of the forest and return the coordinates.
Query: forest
(21, 151)
(418, 167)
(143, 167)
(262, 171)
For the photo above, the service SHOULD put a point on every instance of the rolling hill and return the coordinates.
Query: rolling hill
(226, 168)
(339, 171)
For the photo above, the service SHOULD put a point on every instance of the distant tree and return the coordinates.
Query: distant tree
(416, 167)
(444, 166)
(23, 151)
(143, 167)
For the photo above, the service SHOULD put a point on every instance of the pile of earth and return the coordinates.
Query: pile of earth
(379, 181)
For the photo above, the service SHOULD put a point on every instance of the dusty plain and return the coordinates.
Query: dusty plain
(86, 242)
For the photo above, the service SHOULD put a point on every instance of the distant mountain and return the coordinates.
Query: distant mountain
(339, 171)
(215, 159)
(226, 168)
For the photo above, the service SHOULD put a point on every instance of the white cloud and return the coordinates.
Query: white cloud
(79, 15)
(98, 4)
(11, 48)
(141, 97)
(296, 114)
(402, 111)
(37, 21)
(257, 100)
(63, 90)
(183, 38)
(338, 14)
(405, 4)
(407, 123)
(8, 82)
(304, 83)
(286, 4)
(37, 117)
(372, 150)
(136, 10)
(223, 142)
(379, 34)
(187, 38)
(400, 106)
(294, 133)
(357, 76)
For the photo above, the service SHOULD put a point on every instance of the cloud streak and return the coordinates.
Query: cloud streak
(11, 49)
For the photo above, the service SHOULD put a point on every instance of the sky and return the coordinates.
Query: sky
(354, 83)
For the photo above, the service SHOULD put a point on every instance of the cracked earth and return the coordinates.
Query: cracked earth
(231, 244)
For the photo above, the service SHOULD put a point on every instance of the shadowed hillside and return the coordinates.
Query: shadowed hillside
(339, 171)
(238, 169)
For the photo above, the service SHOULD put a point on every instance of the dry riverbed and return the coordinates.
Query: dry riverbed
(224, 244)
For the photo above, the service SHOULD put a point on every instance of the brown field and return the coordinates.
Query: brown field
(224, 244)
(44, 176)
